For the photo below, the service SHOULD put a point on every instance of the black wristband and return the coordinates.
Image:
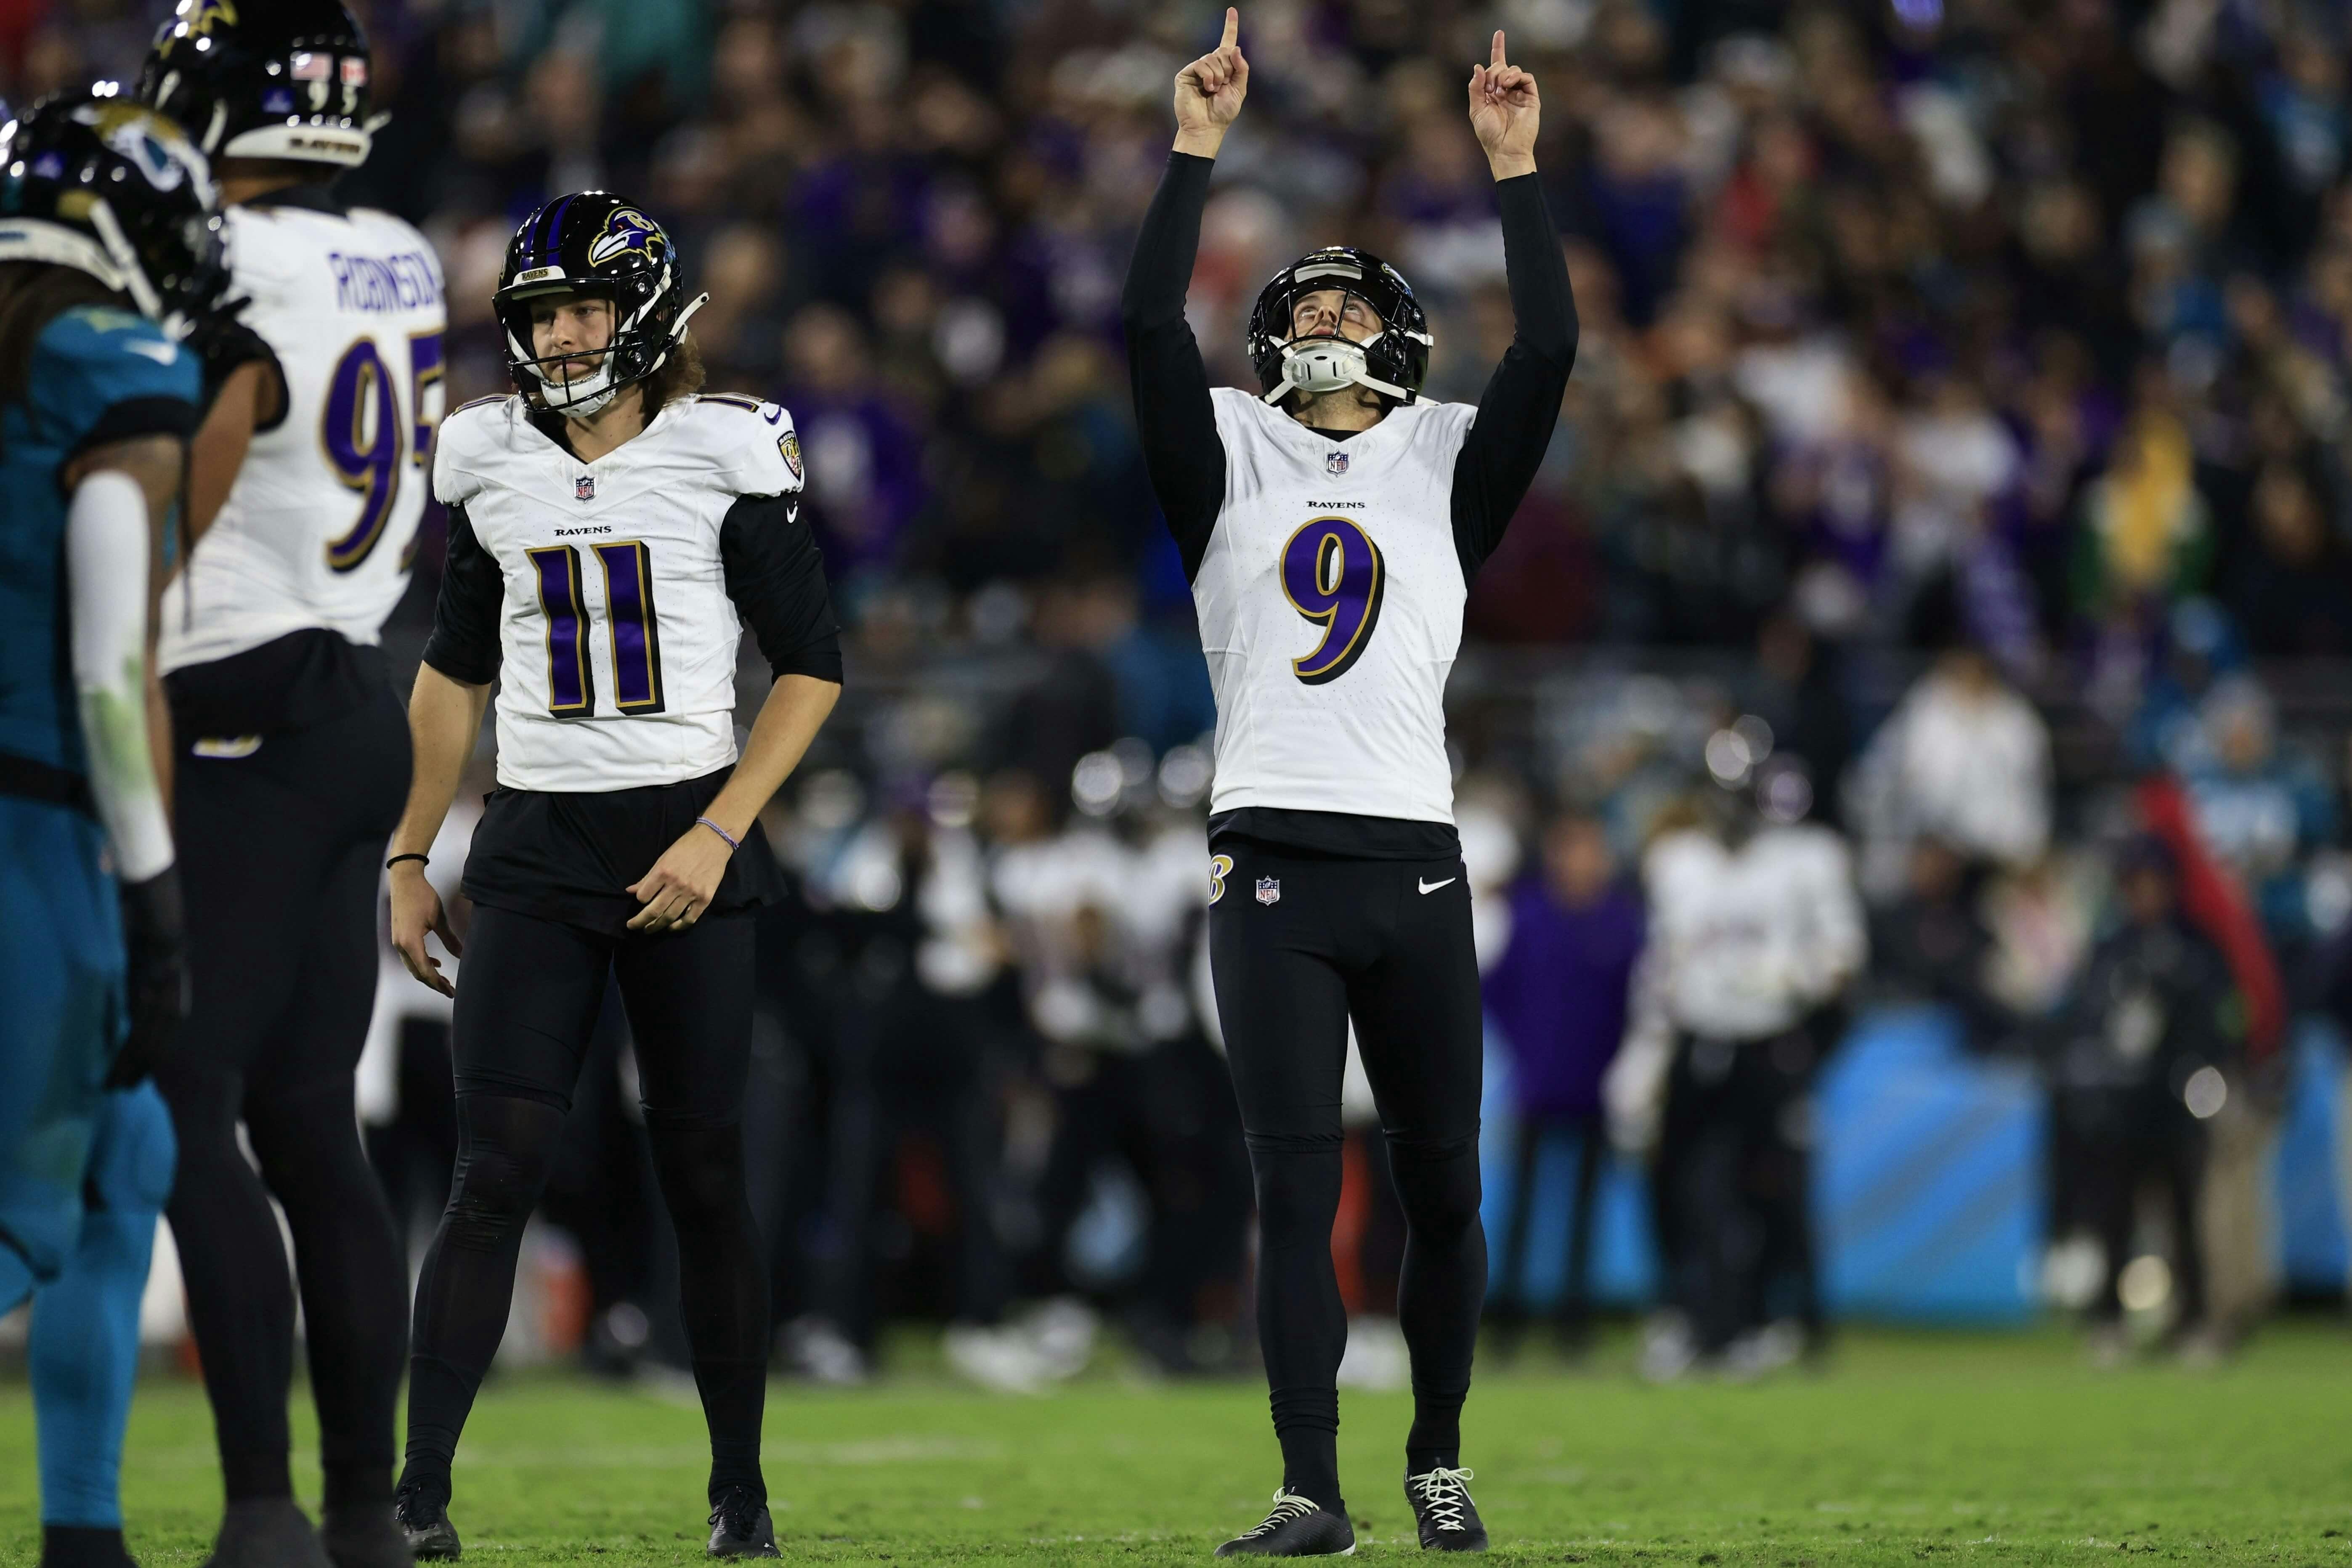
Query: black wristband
(396, 859)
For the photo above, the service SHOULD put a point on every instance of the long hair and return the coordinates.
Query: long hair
(32, 294)
(681, 375)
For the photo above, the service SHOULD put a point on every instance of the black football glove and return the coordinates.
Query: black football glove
(154, 939)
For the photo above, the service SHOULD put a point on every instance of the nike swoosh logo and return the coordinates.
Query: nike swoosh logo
(1432, 887)
(161, 353)
(773, 418)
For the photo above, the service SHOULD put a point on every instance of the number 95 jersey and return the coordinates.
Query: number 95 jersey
(319, 527)
(619, 588)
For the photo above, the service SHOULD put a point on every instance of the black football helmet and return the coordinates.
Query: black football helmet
(1392, 363)
(593, 242)
(114, 189)
(264, 79)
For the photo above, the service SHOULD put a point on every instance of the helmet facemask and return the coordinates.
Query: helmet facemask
(1321, 363)
(636, 349)
(1388, 362)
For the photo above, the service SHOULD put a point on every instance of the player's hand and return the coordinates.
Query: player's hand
(1505, 112)
(1209, 93)
(415, 912)
(154, 939)
(679, 889)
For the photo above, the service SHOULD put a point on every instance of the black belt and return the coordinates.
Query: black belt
(28, 780)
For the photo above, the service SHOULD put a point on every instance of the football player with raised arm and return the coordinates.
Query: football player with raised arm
(306, 485)
(109, 252)
(1330, 523)
(610, 534)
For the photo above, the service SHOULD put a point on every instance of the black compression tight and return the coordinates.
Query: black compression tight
(525, 997)
(1357, 938)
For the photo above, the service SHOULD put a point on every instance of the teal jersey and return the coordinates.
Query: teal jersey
(96, 375)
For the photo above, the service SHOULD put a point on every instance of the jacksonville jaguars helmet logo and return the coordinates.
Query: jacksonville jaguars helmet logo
(144, 139)
(626, 230)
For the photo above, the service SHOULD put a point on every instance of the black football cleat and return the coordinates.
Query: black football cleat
(266, 1533)
(1296, 1527)
(421, 1511)
(1441, 1508)
(364, 1536)
(740, 1526)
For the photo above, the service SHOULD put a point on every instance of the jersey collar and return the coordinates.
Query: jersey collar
(319, 198)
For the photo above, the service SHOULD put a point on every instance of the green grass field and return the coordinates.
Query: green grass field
(1909, 1447)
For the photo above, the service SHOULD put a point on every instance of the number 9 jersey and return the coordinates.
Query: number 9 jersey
(1330, 607)
(319, 527)
(610, 596)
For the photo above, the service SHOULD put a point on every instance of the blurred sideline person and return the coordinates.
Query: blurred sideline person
(1331, 523)
(1755, 935)
(2143, 1044)
(97, 401)
(1560, 995)
(305, 484)
(921, 1057)
(610, 534)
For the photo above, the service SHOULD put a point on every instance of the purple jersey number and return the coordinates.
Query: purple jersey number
(635, 628)
(570, 683)
(360, 433)
(1334, 575)
(630, 621)
(364, 431)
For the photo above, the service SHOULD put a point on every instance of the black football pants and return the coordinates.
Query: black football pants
(280, 854)
(528, 997)
(1300, 945)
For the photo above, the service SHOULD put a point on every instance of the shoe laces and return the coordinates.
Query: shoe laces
(1287, 1506)
(418, 1503)
(1444, 1493)
(737, 1511)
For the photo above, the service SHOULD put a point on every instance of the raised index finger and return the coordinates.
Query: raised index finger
(1233, 28)
(1498, 58)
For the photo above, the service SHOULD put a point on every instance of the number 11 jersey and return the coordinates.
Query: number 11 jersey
(617, 583)
(1330, 607)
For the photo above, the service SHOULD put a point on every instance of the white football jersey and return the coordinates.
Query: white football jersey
(1744, 943)
(320, 523)
(1330, 607)
(616, 636)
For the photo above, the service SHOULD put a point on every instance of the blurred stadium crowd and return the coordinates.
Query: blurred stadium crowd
(1954, 458)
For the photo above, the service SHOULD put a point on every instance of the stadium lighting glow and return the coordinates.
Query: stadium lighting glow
(2146, 1283)
(2205, 1093)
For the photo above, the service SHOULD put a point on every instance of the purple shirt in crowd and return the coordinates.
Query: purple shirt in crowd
(1559, 994)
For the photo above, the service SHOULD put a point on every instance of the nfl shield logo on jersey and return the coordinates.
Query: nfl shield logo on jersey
(586, 488)
(1269, 890)
(1335, 463)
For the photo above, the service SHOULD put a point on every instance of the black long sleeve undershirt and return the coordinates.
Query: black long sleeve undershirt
(1175, 418)
(1521, 403)
(776, 577)
(1176, 423)
(464, 643)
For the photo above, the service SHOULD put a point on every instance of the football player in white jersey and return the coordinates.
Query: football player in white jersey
(306, 482)
(1756, 933)
(1330, 523)
(609, 536)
